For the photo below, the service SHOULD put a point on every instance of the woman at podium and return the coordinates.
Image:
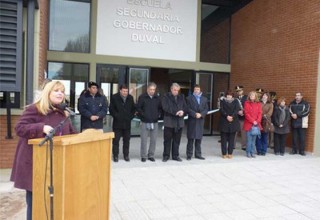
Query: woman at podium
(38, 120)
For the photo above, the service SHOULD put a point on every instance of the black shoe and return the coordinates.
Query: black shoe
(200, 158)
(126, 158)
(302, 153)
(188, 158)
(177, 159)
(253, 156)
(115, 158)
(165, 159)
(143, 159)
(243, 148)
(152, 159)
(263, 154)
(293, 152)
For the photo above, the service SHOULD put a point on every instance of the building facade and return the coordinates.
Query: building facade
(256, 44)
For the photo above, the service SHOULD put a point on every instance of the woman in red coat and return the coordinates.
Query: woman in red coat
(37, 120)
(253, 114)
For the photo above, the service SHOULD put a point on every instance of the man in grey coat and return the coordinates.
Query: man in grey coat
(197, 110)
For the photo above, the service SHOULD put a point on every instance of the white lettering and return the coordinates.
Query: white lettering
(125, 24)
(145, 38)
(145, 14)
(151, 3)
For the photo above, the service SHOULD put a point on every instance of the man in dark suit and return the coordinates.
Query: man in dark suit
(122, 109)
(197, 110)
(174, 107)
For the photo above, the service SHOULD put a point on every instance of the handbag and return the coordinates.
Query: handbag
(305, 120)
(255, 130)
(267, 125)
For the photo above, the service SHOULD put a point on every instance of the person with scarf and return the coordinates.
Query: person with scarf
(229, 123)
(280, 120)
(197, 111)
(267, 110)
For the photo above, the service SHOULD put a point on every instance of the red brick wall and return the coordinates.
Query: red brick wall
(275, 46)
(7, 146)
(215, 44)
(43, 38)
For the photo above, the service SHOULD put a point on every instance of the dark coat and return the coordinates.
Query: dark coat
(170, 108)
(92, 105)
(242, 100)
(149, 109)
(229, 109)
(30, 126)
(195, 125)
(302, 109)
(276, 121)
(122, 112)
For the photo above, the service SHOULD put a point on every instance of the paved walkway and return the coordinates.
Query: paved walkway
(266, 187)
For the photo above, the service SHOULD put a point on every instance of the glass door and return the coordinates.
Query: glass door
(138, 81)
(110, 77)
(205, 80)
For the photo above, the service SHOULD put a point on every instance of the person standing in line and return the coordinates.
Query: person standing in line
(174, 107)
(242, 98)
(93, 107)
(274, 101)
(267, 110)
(253, 115)
(259, 92)
(280, 119)
(197, 110)
(149, 111)
(228, 124)
(37, 120)
(122, 109)
(299, 110)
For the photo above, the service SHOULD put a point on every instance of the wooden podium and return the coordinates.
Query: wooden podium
(81, 176)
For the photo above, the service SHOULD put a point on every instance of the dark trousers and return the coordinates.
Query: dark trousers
(125, 134)
(29, 204)
(298, 139)
(262, 143)
(279, 143)
(227, 142)
(171, 141)
(197, 147)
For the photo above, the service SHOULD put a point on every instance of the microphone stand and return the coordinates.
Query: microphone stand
(49, 138)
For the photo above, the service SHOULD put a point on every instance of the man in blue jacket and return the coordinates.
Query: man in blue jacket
(93, 107)
(299, 110)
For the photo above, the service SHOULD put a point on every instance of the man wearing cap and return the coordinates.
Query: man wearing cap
(259, 92)
(241, 98)
(93, 107)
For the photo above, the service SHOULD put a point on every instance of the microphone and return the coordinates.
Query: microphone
(64, 107)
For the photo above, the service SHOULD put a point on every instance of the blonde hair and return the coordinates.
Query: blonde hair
(43, 103)
(256, 99)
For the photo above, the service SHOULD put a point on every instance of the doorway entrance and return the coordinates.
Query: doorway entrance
(109, 77)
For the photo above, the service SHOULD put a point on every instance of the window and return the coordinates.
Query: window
(74, 77)
(70, 26)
